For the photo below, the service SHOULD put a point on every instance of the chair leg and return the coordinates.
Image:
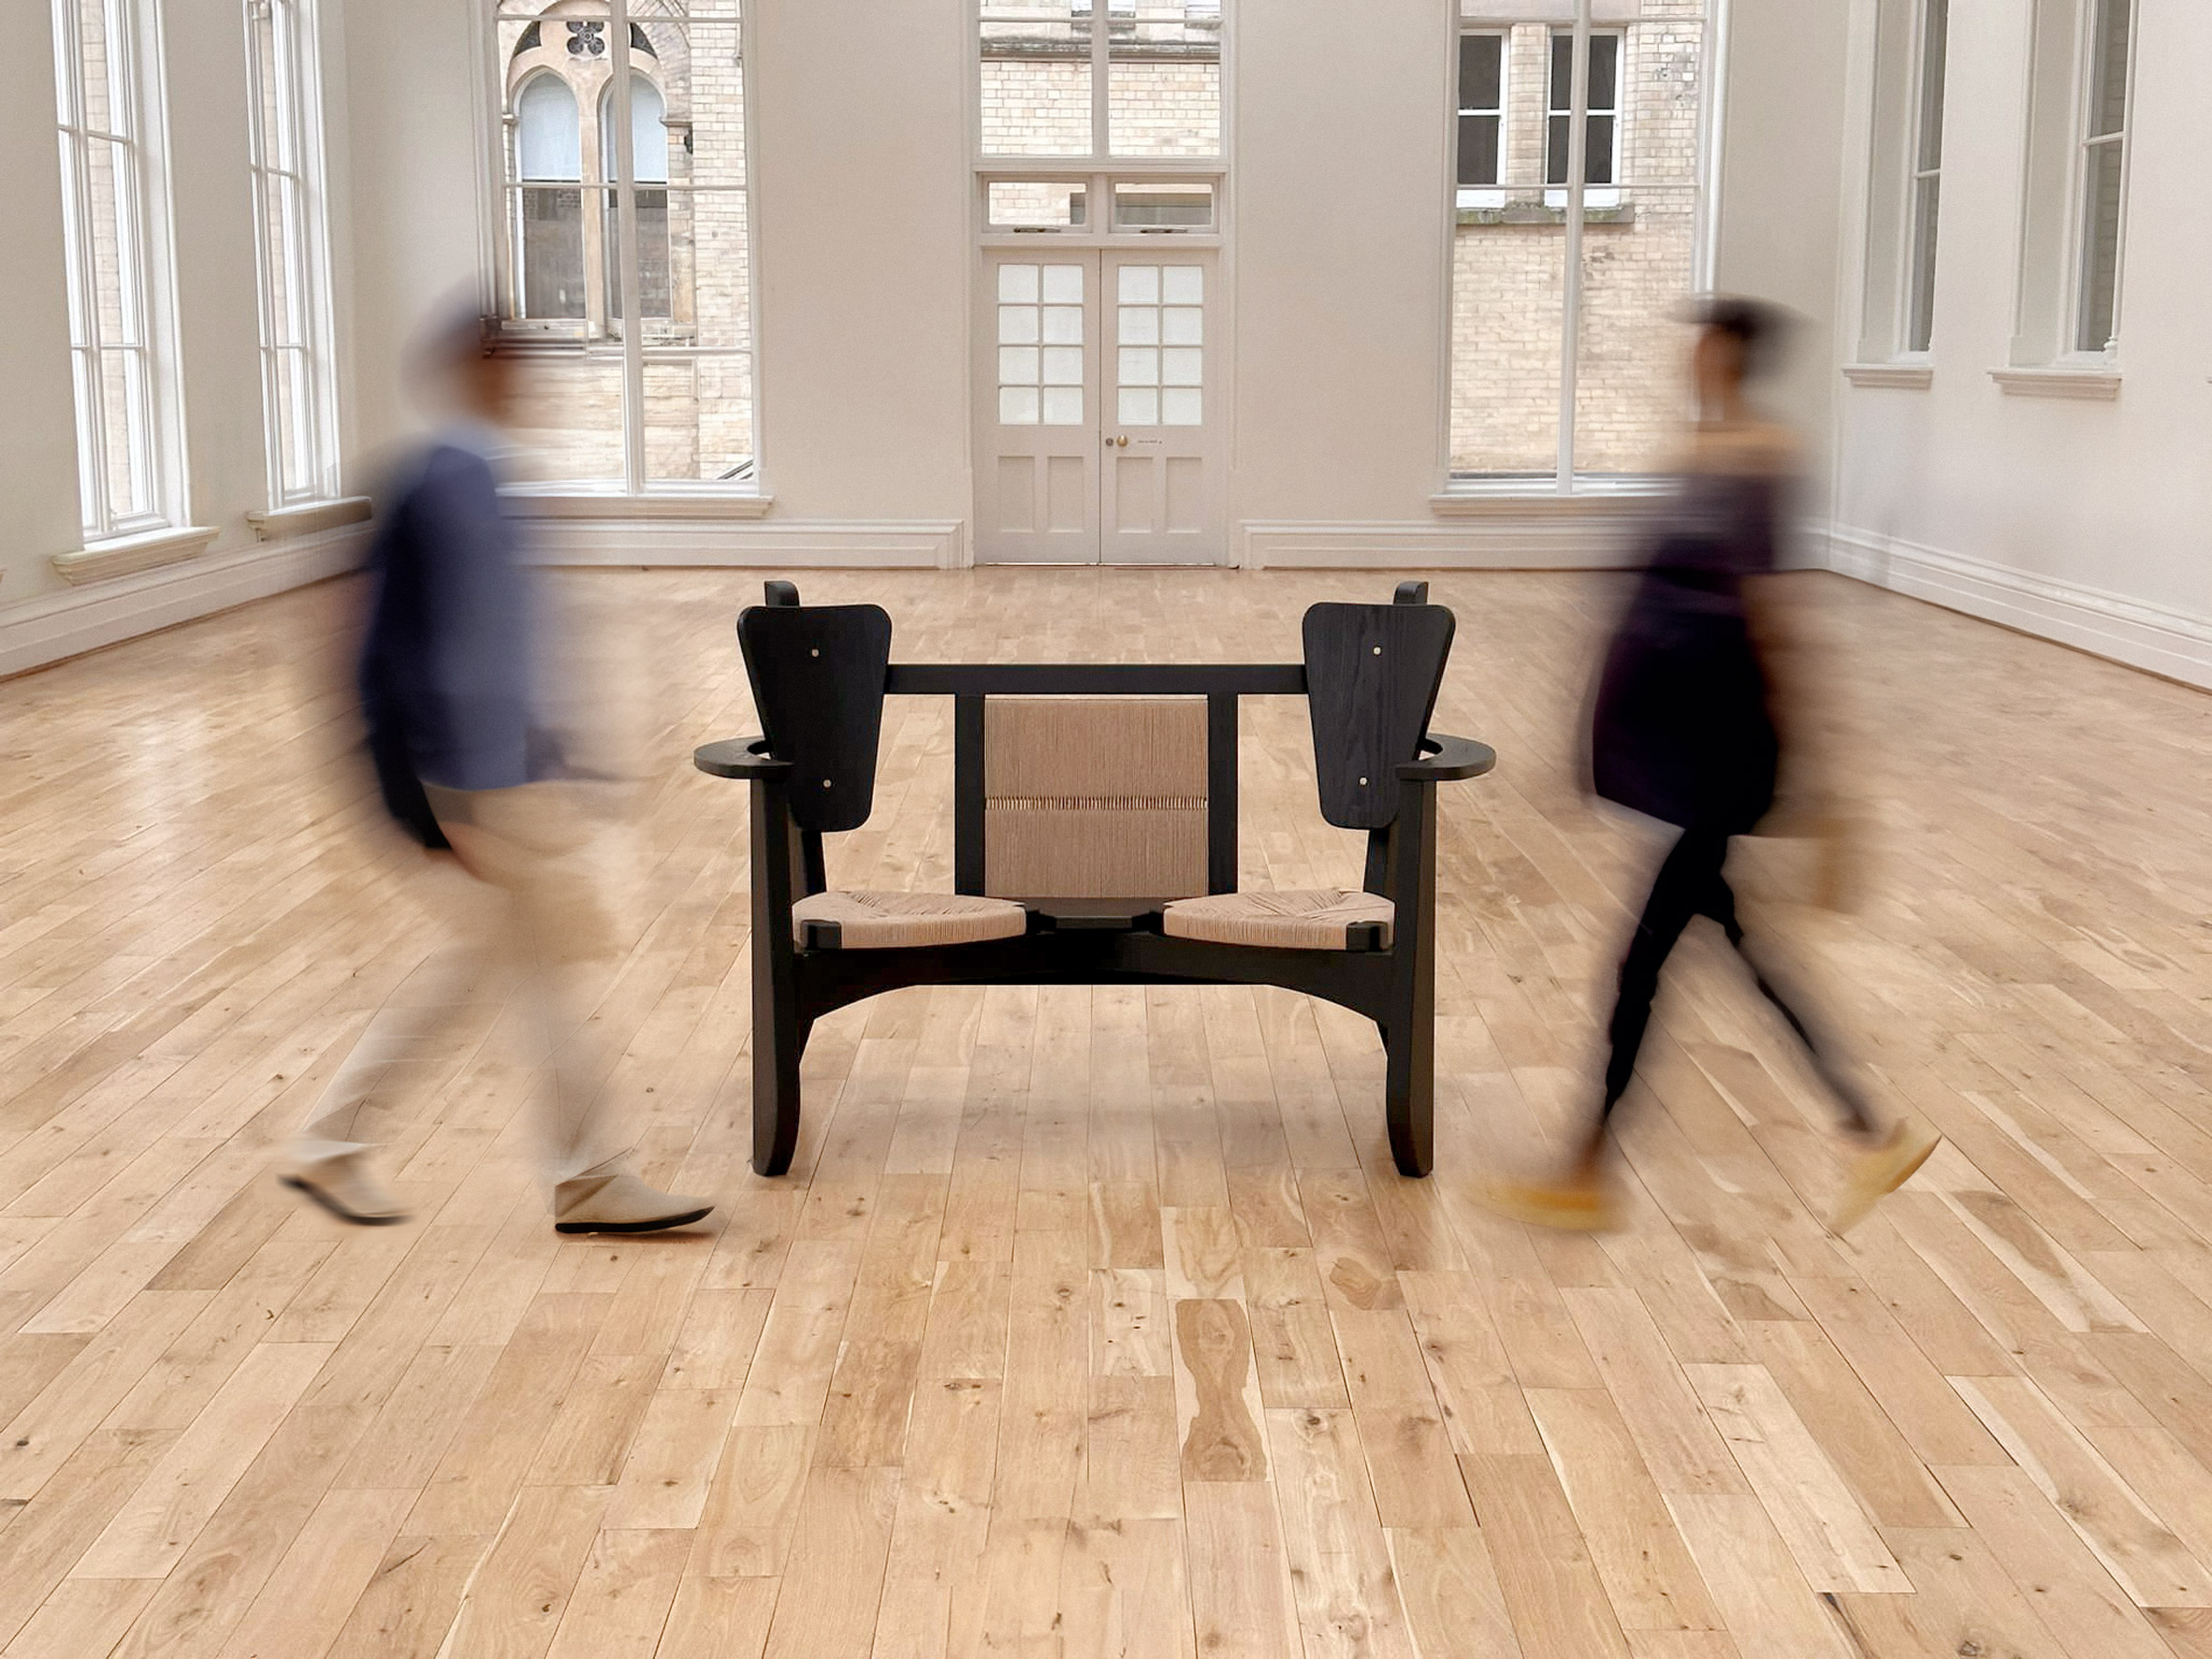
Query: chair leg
(776, 1046)
(1409, 1095)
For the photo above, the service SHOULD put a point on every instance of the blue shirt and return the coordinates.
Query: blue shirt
(447, 667)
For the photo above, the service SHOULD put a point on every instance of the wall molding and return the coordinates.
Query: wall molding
(1507, 536)
(1911, 377)
(66, 624)
(887, 544)
(2169, 642)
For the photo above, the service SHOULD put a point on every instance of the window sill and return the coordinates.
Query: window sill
(1518, 497)
(309, 518)
(540, 502)
(1911, 377)
(127, 556)
(2091, 385)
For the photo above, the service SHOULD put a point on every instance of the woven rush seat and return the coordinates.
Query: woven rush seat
(1330, 919)
(887, 921)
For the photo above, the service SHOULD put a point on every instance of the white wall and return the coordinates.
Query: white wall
(2085, 520)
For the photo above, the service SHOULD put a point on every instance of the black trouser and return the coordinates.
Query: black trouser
(1689, 886)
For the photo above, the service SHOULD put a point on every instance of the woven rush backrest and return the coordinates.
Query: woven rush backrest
(1095, 797)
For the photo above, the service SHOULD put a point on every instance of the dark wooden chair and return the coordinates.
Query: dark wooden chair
(1095, 832)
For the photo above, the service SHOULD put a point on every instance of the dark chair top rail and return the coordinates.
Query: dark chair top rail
(1096, 679)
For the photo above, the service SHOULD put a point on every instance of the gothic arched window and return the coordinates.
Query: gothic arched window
(549, 164)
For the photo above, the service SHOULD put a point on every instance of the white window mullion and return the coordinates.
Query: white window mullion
(1571, 278)
(633, 409)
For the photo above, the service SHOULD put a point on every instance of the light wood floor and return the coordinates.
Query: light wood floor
(1097, 1322)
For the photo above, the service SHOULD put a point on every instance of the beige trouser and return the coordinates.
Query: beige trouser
(527, 926)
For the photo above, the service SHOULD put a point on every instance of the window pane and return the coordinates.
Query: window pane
(1036, 96)
(1556, 155)
(568, 416)
(1163, 80)
(2100, 284)
(1506, 310)
(1163, 206)
(1630, 370)
(1018, 284)
(1063, 284)
(548, 132)
(1920, 318)
(1605, 71)
(1482, 58)
(1030, 204)
(2108, 93)
(1562, 70)
(1478, 150)
(551, 235)
(1017, 406)
(656, 296)
(1935, 47)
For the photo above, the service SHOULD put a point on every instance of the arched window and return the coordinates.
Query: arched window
(550, 206)
(548, 134)
(648, 166)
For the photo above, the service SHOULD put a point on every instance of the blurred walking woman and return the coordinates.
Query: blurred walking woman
(1701, 696)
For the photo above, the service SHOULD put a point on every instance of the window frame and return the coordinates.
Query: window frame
(1492, 195)
(1463, 493)
(132, 41)
(296, 52)
(746, 492)
(2082, 242)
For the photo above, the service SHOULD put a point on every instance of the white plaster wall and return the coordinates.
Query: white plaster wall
(1339, 164)
(860, 176)
(2088, 521)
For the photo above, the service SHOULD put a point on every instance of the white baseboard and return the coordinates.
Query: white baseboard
(2168, 642)
(1597, 538)
(58, 625)
(903, 544)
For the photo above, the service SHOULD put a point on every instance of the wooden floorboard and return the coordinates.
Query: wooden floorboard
(1098, 1322)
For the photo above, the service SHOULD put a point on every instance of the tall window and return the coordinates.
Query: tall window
(2103, 174)
(1482, 120)
(286, 142)
(1567, 343)
(114, 209)
(1928, 165)
(629, 243)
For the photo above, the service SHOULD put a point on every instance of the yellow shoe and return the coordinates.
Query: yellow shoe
(1877, 1174)
(1566, 1206)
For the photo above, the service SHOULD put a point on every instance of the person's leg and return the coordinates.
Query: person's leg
(1888, 1158)
(1858, 1117)
(1680, 891)
(561, 943)
(403, 1045)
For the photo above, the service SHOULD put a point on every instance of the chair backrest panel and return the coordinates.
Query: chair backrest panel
(818, 673)
(1095, 797)
(1372, 674)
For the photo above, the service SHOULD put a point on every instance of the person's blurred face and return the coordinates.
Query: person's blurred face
(487, 384)
(1716, 365)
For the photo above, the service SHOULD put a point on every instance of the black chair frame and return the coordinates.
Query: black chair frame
(1095, 941)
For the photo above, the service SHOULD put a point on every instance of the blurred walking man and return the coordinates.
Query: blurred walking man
(449, 693)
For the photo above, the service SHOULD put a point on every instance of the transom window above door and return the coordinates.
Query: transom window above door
(1099, 79)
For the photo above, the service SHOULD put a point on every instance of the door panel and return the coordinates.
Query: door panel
(1038, 412)
(1163, 415)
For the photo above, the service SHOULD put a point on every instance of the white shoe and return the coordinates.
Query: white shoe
(1878, 1172)
(620, 1202)
(343, 1185)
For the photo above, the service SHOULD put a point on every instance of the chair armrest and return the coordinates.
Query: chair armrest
(1445, 759)
(738, 757)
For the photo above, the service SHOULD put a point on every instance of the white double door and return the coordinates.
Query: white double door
(1098, 408)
